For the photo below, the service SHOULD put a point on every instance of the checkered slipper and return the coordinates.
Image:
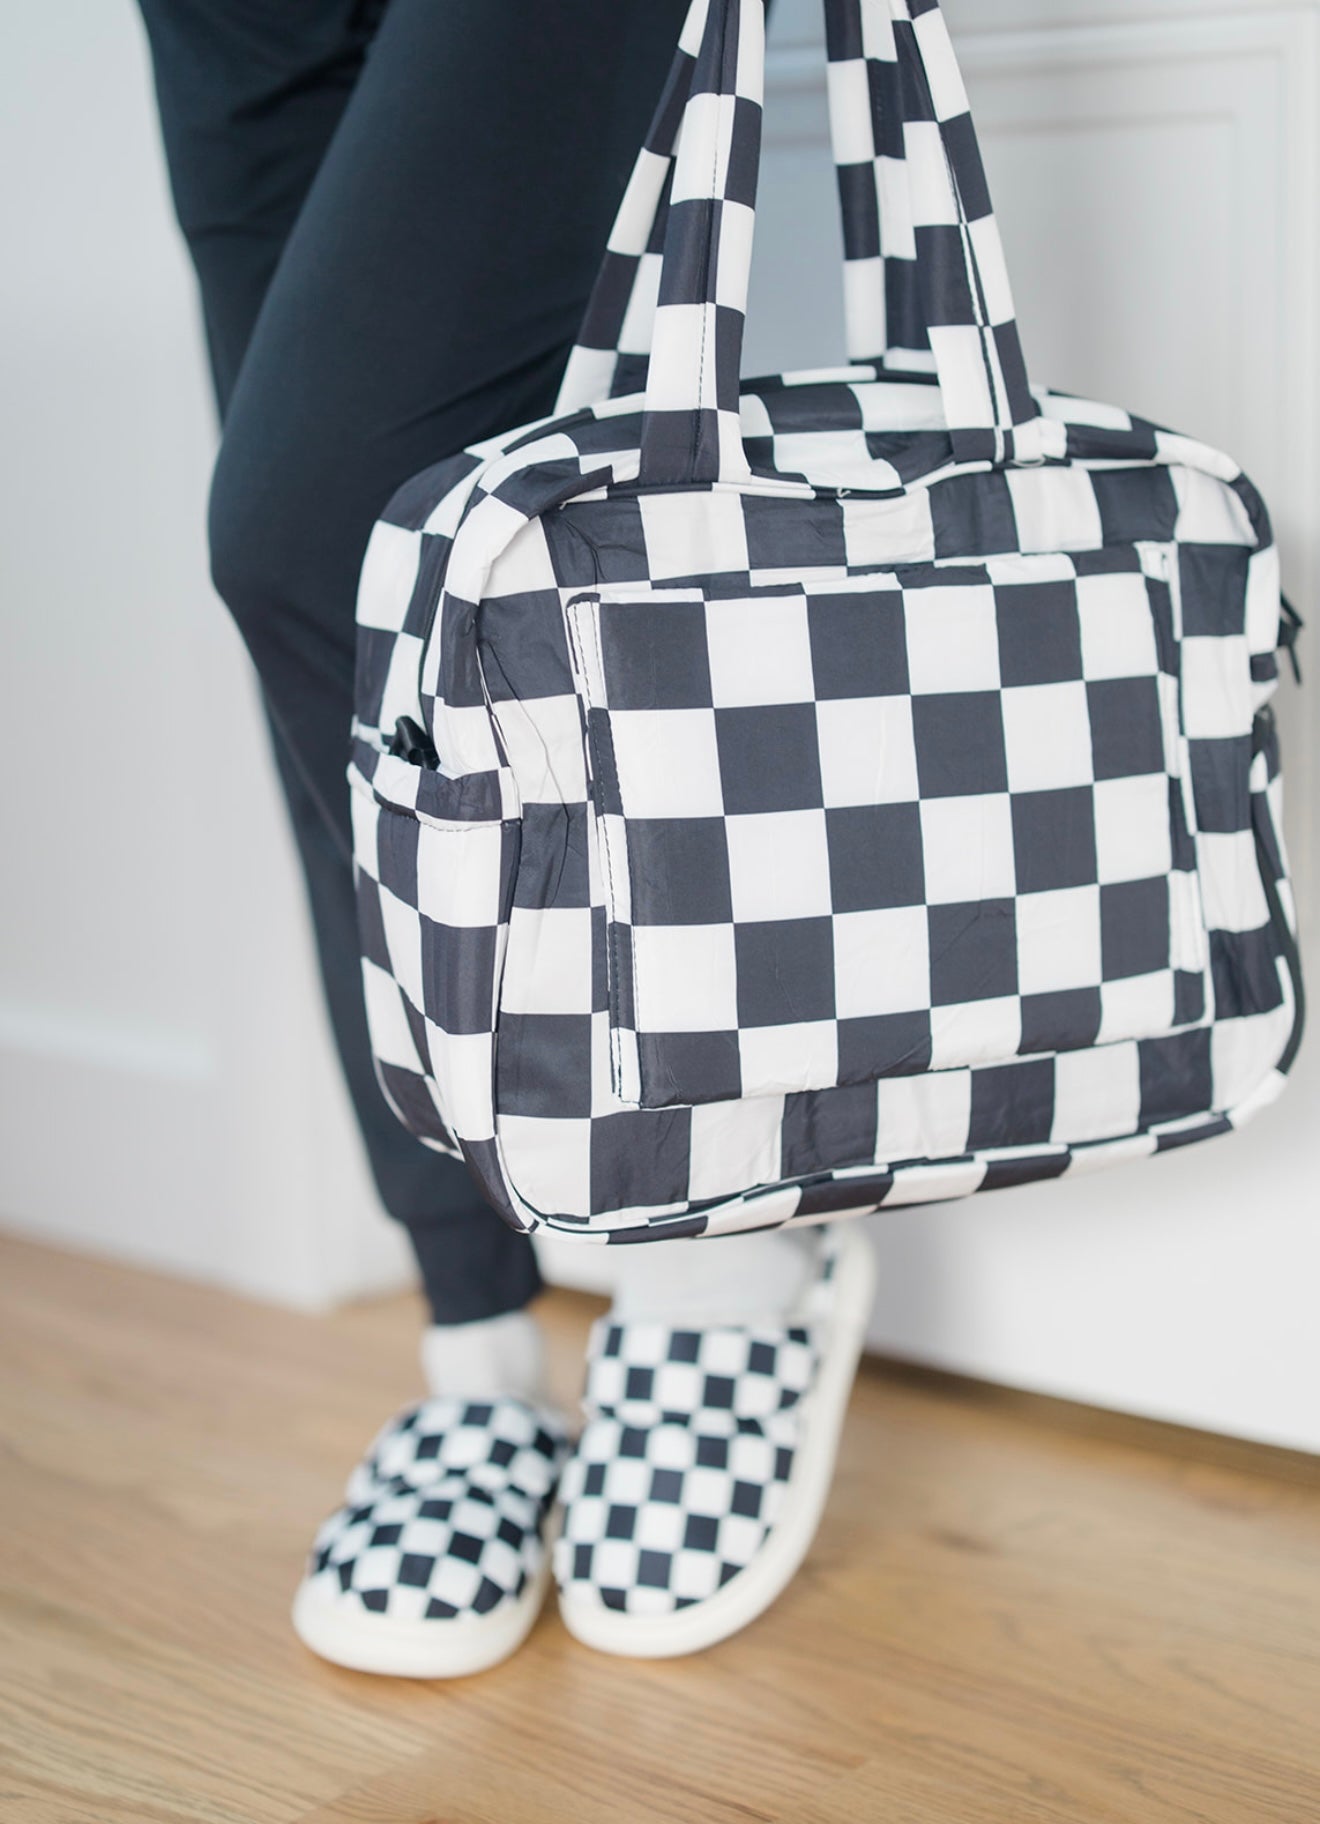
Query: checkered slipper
(698, 1482)
(436, 1564)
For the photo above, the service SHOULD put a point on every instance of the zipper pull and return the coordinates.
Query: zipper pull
(411, 742)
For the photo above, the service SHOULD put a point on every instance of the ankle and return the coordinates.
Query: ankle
(488, 1357)
(718, 1279)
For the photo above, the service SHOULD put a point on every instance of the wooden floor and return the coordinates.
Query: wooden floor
(1016, 1610)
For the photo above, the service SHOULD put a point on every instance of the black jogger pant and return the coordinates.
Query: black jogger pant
(395, 211)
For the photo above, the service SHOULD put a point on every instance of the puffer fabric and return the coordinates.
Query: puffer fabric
(445, 1516)
(681, 1470)
(851, 788)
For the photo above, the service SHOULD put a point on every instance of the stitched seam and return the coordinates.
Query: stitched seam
(998, 404)
(1180, 763)
(614, 945)
(602, 767)
(705, 282)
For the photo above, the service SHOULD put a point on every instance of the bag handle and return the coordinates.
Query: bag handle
(613, 348)
(925, 284)
(664, 283)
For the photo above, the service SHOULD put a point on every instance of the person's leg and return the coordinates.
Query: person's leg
(248, 103)
(248, 99)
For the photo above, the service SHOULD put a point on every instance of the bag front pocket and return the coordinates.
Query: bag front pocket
(435, 862)
(907, 821)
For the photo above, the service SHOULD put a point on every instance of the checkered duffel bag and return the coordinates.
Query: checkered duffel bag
(856, 789)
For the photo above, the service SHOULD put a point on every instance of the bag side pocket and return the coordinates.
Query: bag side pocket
(435, 858)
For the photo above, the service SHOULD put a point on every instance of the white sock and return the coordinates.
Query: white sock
(716, 1279)
(493, 1355)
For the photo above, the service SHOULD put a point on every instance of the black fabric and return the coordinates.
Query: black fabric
(395, 213)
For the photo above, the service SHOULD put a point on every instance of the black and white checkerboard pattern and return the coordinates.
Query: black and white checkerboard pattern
(909, 175)
(672, 1491)
(924, 274)
(680, 1471)
(433, 906)
(934, 819)
(667, 309)
(690, 427)
(613, 347)
(446, 1514)
(486, 904)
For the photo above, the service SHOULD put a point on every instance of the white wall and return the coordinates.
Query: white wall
(167, 1091)
(166, 1087)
